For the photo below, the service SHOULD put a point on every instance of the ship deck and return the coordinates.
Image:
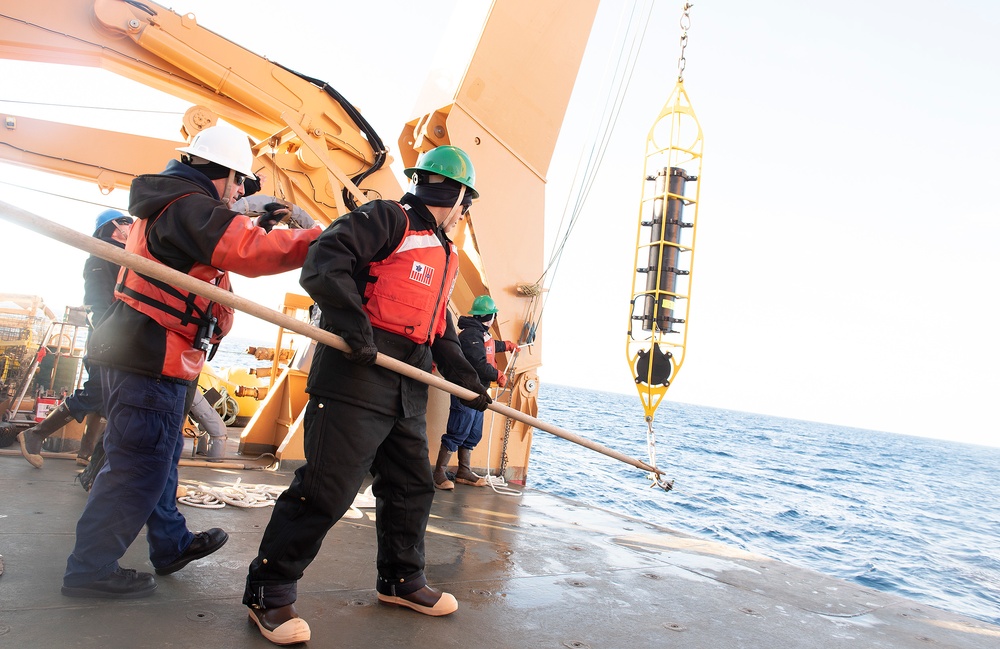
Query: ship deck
(529, 571)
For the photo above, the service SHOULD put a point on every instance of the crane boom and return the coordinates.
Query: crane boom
(315, 149)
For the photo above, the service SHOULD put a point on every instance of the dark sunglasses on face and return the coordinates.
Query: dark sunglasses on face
(125, 220)
(239, 178)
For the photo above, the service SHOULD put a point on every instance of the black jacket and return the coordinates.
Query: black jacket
(99, 278)
(335, 274)
(473, 344)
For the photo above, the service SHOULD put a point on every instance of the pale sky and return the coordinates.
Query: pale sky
(847, 228)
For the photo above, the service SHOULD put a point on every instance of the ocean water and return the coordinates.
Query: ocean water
(911, 516)
(906, 515)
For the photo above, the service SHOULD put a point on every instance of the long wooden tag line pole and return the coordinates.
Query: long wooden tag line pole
(142, 265)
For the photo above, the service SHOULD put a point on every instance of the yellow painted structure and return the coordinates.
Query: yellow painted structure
(317, 153)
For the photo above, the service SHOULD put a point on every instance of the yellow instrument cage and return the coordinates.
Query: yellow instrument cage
(665, 246)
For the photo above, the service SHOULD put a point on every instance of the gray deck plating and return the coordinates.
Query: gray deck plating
(534, 571)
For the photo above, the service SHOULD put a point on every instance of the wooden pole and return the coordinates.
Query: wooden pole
(161, 272)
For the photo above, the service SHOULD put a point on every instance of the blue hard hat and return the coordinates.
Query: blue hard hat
(105, 217)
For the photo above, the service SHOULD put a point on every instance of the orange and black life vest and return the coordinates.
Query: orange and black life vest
(193, 323)
(411, 288)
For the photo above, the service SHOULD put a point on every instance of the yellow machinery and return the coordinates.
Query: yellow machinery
(25, 326)
(665, 246)
(318, 152)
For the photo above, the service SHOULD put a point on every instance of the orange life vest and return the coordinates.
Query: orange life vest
(193, 323)
(491, 349)
(411, 288)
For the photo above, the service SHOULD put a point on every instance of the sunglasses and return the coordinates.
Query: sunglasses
(125, 220)
(238, 178)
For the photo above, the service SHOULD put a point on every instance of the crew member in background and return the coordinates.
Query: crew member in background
(465, 425)
(381, 277)
(152, 344)
(99, 276)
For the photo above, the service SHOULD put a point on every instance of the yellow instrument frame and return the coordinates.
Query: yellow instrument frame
(681, 148)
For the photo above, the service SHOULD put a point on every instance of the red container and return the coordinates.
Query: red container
(43, 406)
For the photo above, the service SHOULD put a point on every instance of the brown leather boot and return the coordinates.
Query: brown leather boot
(441, 480)
(32, 438)
(464, 475)
(95, 428)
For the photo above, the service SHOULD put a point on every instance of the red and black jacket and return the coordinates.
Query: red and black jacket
(480, 348)
(182, 223)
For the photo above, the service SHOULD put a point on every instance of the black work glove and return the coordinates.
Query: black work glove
(479, 403)
(364, 355)
(273, 214)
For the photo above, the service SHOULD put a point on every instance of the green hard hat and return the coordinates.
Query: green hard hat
(483, 305)
(450, 162)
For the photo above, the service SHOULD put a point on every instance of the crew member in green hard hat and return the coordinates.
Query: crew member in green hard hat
(465, 425)
(382, 276)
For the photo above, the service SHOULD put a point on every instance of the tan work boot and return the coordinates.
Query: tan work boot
(95, 428)
(441, 480)
(464, 475)
(281, 625)
(32, 438)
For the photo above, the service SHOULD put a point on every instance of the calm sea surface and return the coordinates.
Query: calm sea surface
(912, 516)
(906, 515)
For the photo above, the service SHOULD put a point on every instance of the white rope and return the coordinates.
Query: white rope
(254, 496)
(237, 495)
(496, 482)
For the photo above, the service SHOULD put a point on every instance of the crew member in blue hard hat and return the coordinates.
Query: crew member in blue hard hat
(465, 425)
(99, 276)
(151, 346)
(382, 276)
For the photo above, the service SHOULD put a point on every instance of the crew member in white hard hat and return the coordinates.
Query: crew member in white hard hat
(151, 346)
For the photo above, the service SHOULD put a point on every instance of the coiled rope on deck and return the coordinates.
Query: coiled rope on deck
(237, 495)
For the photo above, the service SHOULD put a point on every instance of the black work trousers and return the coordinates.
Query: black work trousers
(342, 442)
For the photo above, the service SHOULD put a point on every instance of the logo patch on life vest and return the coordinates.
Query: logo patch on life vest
(422, 273)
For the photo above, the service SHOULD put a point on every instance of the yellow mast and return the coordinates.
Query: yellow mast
(665, 246)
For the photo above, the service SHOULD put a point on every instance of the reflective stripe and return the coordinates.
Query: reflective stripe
(414, 241)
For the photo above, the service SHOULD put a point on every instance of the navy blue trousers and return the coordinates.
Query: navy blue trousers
(138, 484)
(342, 443)
(465, 427)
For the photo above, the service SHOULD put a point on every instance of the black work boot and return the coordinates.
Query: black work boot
(441, 480)
(95, 428)
(123, 583)
(32, 438)
(465, 474)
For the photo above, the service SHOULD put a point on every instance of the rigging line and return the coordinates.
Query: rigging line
(580, 164)
(70, 198)
(75, 106)
(624, 68)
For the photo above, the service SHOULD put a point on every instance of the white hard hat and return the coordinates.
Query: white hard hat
(224, 145)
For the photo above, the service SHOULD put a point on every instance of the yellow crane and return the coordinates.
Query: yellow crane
(319, 152)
